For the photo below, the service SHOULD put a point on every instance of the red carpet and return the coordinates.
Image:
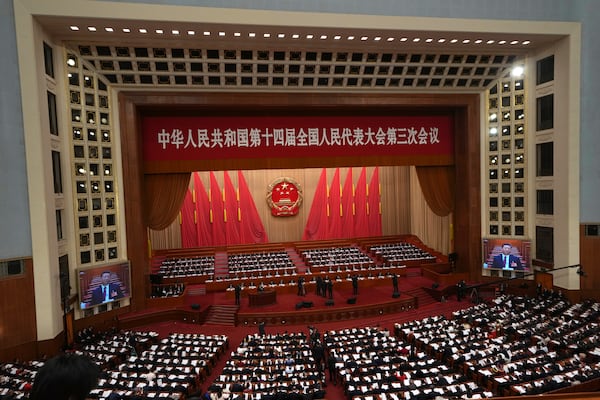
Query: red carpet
(371, 295)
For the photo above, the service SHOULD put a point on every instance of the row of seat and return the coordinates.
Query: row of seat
(507, 344)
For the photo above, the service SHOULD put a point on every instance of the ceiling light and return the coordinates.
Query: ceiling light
(526, 42)
(266, 35)
(428, 40)
(514, 42)
(309, 36)
(337, 37)
(175, 32)
(142, 30)
(295, 36)
(281, 35)
(126, 30)
(493, 116)
(221, 33)
(377, 38)
(109, 29)
(404, 39)
(71, 62)
(493, 131)
(490, 41)
(206, 33)
(191, 33)
(251, 34)
(465, 41)
(74, 28)
(350, 37)
(478, 41)
(502, 42)
(92, 28)
(323, 37)
(441, 40)
(390, 39)
(517, 71)
(454, 41)
(416, 39)
(237, 34)
(159, 31)
(363, 38)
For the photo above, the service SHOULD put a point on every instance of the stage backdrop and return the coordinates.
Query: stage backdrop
(403, 207)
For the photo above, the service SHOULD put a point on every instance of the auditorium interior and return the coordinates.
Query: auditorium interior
(278, 200)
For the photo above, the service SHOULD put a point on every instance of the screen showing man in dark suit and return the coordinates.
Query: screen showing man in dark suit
(506, 260)
(106, 291)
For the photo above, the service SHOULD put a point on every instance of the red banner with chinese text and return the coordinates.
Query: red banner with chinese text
(215, 138)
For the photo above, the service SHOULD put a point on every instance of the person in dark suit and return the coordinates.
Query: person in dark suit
(355, 284)
(238, 293)
(506, 260)
(395, 282)
(106, 291)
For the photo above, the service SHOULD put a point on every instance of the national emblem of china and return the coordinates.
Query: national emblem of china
(284, 197)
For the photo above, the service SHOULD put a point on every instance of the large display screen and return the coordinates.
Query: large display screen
(104, 284)
(507, 254)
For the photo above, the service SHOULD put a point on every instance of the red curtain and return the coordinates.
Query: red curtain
(348, 206)
(437, 184)
(188, 222)
(164, 194)
(203, 225)
(374, 201)
(251, 227)
(335, 207)
(231, 211)
(361, 222)
(316, 224)
(216, 212)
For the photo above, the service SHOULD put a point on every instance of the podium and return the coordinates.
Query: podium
(263, 298)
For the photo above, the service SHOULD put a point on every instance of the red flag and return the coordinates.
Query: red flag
(335, 207)
(203, 223)
(348, 206)
(375, 205)
(251, 227)
(188, 222)
(361, 223)
(316, 224)
(232, 223)
(217, 212)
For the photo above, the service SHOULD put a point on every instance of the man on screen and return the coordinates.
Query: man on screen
(106, 291)
(506, 260)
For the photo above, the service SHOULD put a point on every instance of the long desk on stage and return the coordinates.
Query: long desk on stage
(263, 298)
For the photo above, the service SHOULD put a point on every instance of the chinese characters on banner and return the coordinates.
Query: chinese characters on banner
(190, 138)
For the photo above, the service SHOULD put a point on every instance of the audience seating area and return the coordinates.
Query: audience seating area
(515, 345)
(187, 266)
(243, 264)
(133, 363)
(374, 365)
(344, 258)
(401, 252)
(271, 367)
(508, 346)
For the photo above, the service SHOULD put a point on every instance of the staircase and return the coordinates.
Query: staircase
(221, 315)
(296, 259)
(421, 294)
(221, 266)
